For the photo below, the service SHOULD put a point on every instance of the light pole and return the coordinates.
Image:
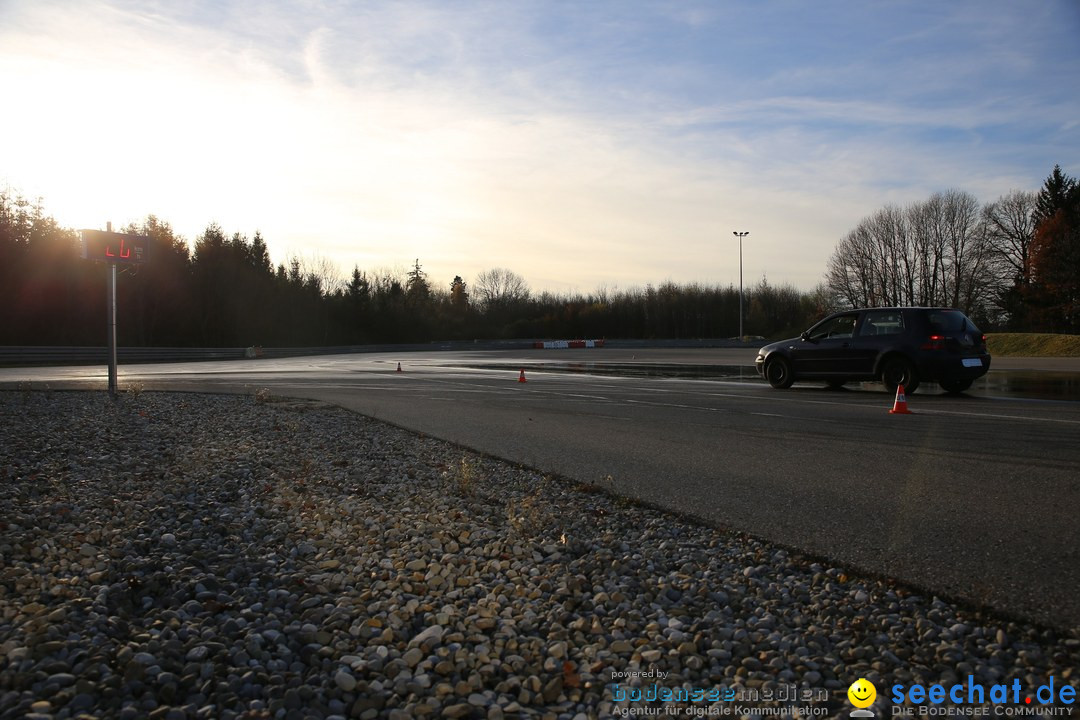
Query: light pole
(740, 235)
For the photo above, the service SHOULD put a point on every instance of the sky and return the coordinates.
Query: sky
(583, 145)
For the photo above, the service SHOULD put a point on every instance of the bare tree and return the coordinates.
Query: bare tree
(499, 288)
(849, 268)
(931, 253)
(873, 264)
(929, 241)
(967, 257)
(318, 272)
(1010, 228)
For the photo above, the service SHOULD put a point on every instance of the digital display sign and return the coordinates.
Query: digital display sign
(114, 247)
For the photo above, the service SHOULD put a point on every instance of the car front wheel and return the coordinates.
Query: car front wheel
(899, 371)
(778, 373)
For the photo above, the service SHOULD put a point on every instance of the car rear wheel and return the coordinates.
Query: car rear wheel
(778, 373)
(955, 387)
(899, 371)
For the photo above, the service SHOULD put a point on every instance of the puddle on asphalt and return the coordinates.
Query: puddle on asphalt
(698, 372)
(1025, 383)
(996, 383)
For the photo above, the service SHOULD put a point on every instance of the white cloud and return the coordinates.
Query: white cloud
(571, 147)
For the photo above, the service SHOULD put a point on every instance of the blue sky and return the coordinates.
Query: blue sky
(580, 144)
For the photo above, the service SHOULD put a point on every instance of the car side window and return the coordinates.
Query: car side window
(842, 326)
(882, 322)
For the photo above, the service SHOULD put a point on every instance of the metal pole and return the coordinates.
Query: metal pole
(111, 314)
(740, 235)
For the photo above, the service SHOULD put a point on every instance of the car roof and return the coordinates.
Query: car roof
(905, 307)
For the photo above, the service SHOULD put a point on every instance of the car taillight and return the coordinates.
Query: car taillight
(934, 342)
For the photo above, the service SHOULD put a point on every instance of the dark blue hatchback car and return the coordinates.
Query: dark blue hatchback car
(897, 346)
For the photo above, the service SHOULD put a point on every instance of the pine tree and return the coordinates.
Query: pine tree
(417, 289)
(459, 296)
(1054, 196)
(1055, 292)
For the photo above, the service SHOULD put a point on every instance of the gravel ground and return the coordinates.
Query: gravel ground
(196, 556)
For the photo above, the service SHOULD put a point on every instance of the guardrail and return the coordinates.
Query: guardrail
(15, 356)
(48, 355)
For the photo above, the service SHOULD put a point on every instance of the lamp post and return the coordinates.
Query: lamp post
(740, 235)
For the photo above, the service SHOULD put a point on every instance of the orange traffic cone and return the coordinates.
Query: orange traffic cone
(900, 405)
(399, 367)
(521, 378)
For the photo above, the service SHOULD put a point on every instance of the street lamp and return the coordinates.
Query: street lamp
(740, 235)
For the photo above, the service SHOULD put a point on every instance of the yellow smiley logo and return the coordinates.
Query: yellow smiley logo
(862, 693)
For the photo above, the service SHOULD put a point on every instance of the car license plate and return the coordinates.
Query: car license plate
(972, 362)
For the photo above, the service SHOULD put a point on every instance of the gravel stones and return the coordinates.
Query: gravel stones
(345, 680)
(197, 556)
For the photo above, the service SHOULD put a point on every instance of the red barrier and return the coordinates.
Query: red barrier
(567, 344)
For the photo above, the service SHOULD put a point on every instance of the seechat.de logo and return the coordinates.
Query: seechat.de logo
(974, 693)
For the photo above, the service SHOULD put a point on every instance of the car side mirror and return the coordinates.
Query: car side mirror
(805, 335)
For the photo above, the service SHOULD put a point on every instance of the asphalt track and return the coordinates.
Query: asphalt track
(974, 498)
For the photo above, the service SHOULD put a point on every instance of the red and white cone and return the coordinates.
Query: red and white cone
(900, 404)
(521, 377)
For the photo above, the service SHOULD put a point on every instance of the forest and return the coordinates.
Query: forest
(1012, 264)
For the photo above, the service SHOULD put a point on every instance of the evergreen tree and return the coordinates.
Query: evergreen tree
(459, 296)
(156, 296)
(417, 289)
(358, 297)
(359, 289)
(1054, 195)
(1054, 292)
(260, 256)
(40, 271)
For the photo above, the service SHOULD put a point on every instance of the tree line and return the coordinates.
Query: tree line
(1014, 263)
(224, 291)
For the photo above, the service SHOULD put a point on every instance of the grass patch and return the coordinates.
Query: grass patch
(1033, 345)
(466, 476)
(530, 516)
